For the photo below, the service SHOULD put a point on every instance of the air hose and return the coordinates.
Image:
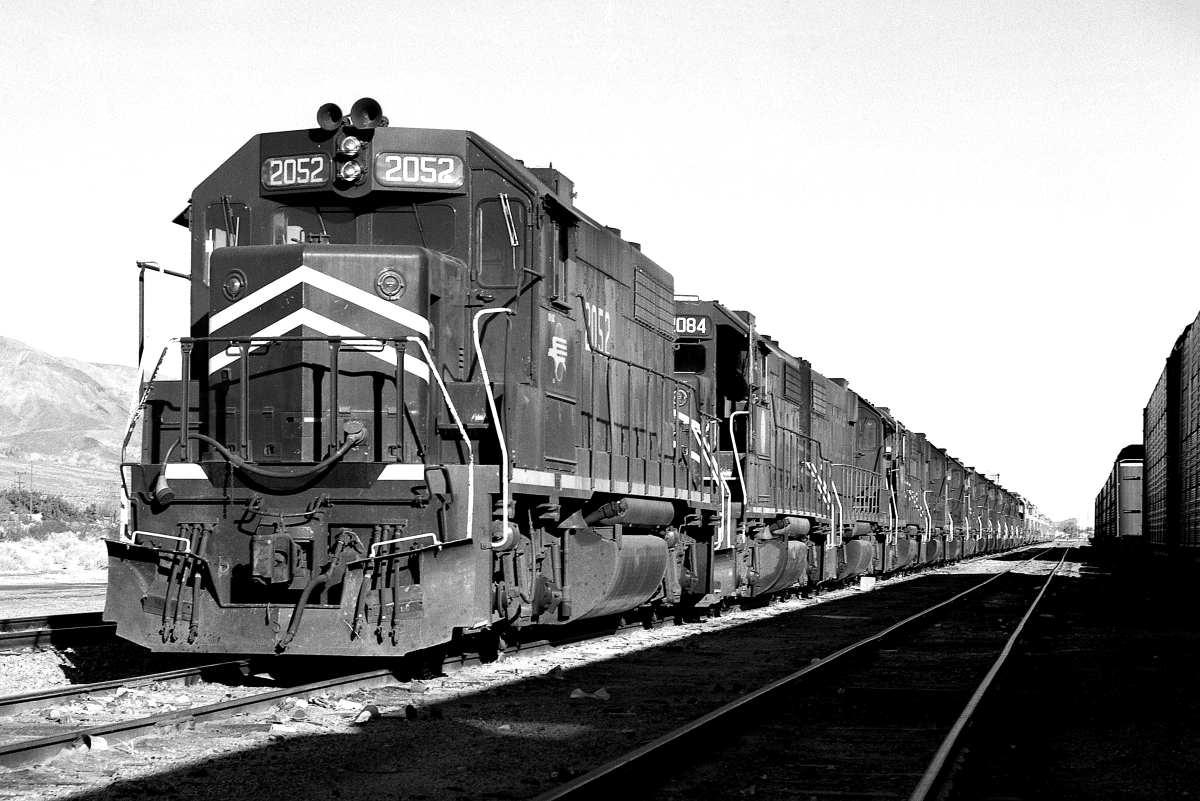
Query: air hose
(352, 439)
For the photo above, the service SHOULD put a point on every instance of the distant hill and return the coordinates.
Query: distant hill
(65, 417)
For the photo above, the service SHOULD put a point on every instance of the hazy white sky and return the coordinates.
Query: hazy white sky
(981, 213)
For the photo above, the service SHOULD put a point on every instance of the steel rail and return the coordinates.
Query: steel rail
(43, 748)
(22, 702)
(23, 632)
(49, 621)
(587, 785)
(937, 766)
(74, 619)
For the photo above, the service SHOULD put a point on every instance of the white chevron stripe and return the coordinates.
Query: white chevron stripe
(329, 328)
(307, 275)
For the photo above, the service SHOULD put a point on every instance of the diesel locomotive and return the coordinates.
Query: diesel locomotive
(424, 396)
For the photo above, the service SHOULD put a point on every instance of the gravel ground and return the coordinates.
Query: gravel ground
(510, 729)
(36, 595)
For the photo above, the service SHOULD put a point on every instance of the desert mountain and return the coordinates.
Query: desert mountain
(61, 410)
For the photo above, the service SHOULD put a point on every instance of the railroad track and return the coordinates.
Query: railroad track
(57, 630)
(43, 748)
(16, 704)
(39, 749)
(863, 722)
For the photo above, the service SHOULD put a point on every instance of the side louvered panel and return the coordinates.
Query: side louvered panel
(653, 303)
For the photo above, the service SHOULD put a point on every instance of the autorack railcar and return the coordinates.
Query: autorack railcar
(1171, 435)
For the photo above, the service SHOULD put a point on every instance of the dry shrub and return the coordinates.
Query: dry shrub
(52, 552)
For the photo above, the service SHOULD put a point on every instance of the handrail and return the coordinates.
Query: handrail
(726, 493)
(949, 514)
(245, 344)
(187, 544)
(142, 267)
(668, 380)
(462, 430)
(816, 452)
(824, 491)
(506, 529)
(841, 518)
(928, 516)
(377, 546)
(967, 513)
(894, 509)
(135, 412)
(737, 459)
(863, 489)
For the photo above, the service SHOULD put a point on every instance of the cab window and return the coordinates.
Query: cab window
(293, 225)
(427, 226)
(226, 225)
(690, 357)
(498, 261)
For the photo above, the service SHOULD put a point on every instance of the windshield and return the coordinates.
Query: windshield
(429, 226)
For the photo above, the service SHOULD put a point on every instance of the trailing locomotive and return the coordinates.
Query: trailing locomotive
(424, 395)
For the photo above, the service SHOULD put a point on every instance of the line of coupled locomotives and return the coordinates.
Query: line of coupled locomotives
(426, 397)
(1150, 503)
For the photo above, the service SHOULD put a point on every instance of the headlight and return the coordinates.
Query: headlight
(350, 146)
(350, 172)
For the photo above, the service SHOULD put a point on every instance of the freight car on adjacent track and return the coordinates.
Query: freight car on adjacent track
(1119, 504)
(1170, 504)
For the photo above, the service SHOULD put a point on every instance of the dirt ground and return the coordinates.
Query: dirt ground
(58, 593)
(1100, 701)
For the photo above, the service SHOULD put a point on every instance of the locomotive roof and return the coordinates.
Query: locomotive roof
(455, 141)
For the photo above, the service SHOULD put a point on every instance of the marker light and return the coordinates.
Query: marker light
(350, 146)
(235, 284)
(390, 284)
(350, 172)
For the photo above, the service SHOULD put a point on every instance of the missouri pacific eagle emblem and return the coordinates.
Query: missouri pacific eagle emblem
(558, 352)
